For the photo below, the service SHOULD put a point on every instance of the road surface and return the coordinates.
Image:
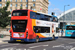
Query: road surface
(59, 44)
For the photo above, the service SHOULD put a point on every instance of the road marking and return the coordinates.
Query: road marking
(8, 45)
(38, 46)
(71, 42)
(65, 39)
(44, 49)
(58, 46)
(72, 48)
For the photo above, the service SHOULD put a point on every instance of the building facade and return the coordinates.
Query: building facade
(68, 18)
(37, 5)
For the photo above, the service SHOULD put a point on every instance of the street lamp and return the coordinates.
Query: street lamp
(64, 11)
(64, 18)
(27, 4)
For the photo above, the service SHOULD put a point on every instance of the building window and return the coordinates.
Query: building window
(15, 0)
(0, 5)
(16, 5)
(5, 0)
(21, 5)
(33, 4)
(21, 0)
(26, 0)
(0, 0)
(33, 0)
(10, 0)
(10, 10)
(5, 4)
(10, 5)
(26, 5)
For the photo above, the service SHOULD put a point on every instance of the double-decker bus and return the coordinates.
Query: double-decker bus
(70, 31)
(32, 26)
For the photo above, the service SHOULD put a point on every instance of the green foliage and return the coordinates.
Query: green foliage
(4, 19)
(20, 7)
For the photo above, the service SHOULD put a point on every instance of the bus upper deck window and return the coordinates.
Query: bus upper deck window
(19, 13)
(55, 19)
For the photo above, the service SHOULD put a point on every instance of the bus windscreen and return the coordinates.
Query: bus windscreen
(70, 28)
(19, 25)
(20, 13)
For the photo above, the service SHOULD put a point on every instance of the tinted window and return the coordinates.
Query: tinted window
(42, 17)
(38, 16)
(39, 29)
(57, 30)
(0, 0)
(70, 28)
(47, 18)
(32, 15)
(19, 25)
(20, 13)
(55, 19)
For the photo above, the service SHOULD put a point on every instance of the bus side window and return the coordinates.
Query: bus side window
(38, 16)
(55, 19)
(32, 15)
(42, 17)
(39, 29)
(46, 18)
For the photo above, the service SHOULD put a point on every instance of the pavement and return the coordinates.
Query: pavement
(7, 33)
(5, 39)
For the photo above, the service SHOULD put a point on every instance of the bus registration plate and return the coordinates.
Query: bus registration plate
(18, 40)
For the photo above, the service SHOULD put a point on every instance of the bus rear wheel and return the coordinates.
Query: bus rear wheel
(53, 37)
(37, 39)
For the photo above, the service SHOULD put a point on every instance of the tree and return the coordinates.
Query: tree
(4, 19)
(20, 7)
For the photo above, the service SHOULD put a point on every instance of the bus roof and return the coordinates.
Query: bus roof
(70, 25)
(54, 16)
(38, 12)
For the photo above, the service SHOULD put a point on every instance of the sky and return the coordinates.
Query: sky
(57, 6)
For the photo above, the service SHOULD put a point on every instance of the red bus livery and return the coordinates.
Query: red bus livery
(31, 26)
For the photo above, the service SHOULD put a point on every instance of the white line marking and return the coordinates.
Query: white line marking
(38, 46)
(72, 48)
(44, 49)
(58, 45)
(71, 42)
(8, 45)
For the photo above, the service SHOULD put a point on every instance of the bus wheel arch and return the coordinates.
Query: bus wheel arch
(53, 37)
(37, 39)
